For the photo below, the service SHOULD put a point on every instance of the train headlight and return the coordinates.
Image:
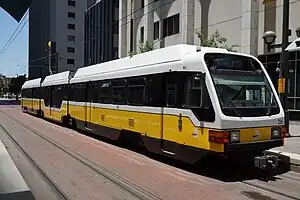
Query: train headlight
(276, 133)
(234, 136)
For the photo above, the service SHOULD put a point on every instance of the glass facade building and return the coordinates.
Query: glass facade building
(101, 32)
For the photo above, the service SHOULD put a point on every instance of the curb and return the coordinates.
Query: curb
(290, 158)
(12, 184)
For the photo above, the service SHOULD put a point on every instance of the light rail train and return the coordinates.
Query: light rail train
(182, 101)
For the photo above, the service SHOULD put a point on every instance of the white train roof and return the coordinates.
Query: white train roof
(156, 61)
(34, 83)
(56, 79)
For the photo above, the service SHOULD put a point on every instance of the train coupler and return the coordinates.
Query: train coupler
(266, 162)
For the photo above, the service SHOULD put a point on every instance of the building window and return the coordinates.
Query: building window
(71, 38)
(71, 26)
(142, 3)
(71, 3)
(156, 31)
(71, 15)
(171, 25)
(142, 34)
(70, 49)
(71, 61)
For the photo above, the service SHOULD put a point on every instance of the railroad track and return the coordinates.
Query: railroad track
(268, 189)
(54, 186)
(124, 184)
(130, 187)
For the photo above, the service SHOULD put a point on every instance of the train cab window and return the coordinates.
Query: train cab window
(197, 99)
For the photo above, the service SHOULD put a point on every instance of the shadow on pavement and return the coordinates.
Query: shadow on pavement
(215, 167)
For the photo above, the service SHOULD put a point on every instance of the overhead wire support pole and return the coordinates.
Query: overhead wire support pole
(50, 55)
(284, 69)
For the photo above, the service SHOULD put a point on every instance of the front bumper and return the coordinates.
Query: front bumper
(232, 148)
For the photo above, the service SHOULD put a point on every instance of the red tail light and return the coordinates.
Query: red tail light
(219, 137)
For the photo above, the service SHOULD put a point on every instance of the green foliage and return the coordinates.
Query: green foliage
(15, 85)
(143, 47)
(216, 41)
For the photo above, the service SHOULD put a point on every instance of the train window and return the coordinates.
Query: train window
(94, 92)
(46, 95)
(171, 92)
(193, 91)
(136, 91)
(119, 91)
(36, 93)
(154, 90)
(26, 93)
(78, 92)
(197, 98)
(105, 92)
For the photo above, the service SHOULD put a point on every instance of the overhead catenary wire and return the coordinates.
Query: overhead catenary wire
(12, 38)
(159, 7)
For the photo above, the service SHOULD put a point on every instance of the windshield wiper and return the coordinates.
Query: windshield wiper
(228, 102)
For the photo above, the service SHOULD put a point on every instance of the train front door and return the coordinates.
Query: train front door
(170, 121)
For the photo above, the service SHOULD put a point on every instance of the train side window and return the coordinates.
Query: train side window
(94, 90)
(194, 88)
(119, 91)
(105, 92)
(78, 92)
(46, 95)
(154, 90)
(172, 89)
(136, 91)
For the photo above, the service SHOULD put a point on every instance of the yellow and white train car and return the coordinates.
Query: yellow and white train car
(30, 101)
(55, 90)
(182, 101)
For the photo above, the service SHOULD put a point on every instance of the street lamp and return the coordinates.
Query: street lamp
(269, 37)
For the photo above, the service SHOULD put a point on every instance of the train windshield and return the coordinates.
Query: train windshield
(242, 87)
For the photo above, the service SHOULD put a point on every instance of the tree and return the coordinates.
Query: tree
(216, 41)
(143, 47)
(15, 85)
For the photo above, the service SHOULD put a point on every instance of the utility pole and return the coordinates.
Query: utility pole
(131, 25)
(284, 69)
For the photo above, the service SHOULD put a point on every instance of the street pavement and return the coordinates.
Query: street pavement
(162, 179)
(291, 146)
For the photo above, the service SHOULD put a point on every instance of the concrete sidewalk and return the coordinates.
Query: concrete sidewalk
(12, 184)
(291, 146)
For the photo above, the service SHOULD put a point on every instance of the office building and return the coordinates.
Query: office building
(60, 21)
(242, 22)
(101, 32)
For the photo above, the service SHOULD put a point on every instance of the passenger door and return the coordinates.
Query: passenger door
(88, 106)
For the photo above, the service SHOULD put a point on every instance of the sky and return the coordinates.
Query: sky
(15, 58)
